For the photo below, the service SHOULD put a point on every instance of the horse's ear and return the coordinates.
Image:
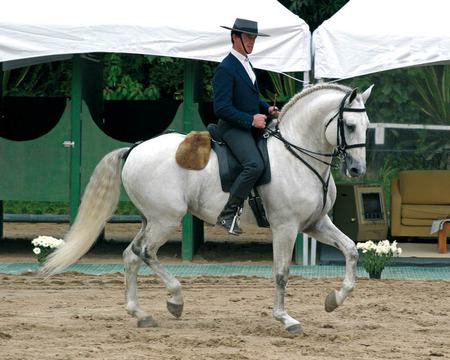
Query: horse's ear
(365, 95)
(352, 96)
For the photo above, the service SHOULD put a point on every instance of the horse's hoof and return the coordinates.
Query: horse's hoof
(175, 309)
(330, 302)
(295, 329)
(147, 322)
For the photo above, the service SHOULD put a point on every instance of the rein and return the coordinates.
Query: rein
(340, 151)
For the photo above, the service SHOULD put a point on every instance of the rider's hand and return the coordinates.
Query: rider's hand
(259, 121)
(274, 112)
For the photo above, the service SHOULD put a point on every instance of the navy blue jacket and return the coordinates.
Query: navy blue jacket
(236, 98)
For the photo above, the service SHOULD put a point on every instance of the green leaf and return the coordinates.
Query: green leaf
(433, 88)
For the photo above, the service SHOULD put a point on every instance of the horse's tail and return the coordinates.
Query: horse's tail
(99, 201)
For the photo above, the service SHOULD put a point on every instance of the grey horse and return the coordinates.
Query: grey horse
(316, 122)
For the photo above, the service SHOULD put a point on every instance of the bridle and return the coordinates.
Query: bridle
(342, 145)
(340, 151)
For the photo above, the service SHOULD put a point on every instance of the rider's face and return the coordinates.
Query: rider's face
(248, 41)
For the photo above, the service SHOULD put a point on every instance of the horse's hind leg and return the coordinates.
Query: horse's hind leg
(283, 245)
(157, 234)
(326, 232)
(132, 262)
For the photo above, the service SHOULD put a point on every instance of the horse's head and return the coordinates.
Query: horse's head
(346, 131)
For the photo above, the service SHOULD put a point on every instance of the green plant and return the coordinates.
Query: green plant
(49, 79)
(283, 86)
(122, 82)
(13, 79)
(207, 75)
(390, 100)
(142, 77)
(314, 12)
(168, 74)
(433, 87)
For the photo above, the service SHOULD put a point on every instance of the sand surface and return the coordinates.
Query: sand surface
(77, 316)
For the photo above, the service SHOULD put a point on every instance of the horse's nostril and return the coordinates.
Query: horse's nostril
(354, 171)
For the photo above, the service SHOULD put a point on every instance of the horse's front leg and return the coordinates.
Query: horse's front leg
(283, 245)
(326, 232)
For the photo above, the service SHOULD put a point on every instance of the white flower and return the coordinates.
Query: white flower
(376, 256)
(37, 250)
(47, 241)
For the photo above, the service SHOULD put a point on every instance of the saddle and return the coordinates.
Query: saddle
(230, 168)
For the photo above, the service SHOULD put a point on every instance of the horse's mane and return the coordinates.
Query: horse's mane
(309, 90)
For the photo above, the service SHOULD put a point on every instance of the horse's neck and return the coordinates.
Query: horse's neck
(304, 123)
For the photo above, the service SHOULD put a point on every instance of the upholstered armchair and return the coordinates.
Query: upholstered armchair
(418, 197)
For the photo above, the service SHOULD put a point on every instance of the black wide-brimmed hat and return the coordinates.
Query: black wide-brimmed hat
(245, 26)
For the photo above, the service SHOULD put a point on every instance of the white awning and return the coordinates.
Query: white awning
(368, 36)
(178, 28)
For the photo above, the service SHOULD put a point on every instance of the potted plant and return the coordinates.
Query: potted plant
(375, 256)
(44, 246)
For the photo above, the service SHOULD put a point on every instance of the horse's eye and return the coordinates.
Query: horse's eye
(350, 127)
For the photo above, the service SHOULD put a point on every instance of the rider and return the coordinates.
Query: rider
(239, 109)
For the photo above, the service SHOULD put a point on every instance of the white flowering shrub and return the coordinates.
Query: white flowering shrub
(44, 246)
(375, 256)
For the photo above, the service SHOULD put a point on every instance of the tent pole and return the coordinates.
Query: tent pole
(306, 78)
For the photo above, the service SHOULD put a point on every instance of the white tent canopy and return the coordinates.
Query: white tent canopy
(371, 36)
(177, 28)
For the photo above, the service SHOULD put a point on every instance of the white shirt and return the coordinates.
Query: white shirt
(246, 64)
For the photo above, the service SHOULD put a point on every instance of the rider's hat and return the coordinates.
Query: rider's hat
(245, 26)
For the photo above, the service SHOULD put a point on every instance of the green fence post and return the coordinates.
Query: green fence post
(298, 249)
(1, 115)
(192, 235)
(1, 219)
(75, 122)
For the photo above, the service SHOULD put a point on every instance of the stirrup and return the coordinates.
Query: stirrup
(234, 228)
(231, 224)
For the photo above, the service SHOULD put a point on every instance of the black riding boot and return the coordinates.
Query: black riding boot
(229, 217)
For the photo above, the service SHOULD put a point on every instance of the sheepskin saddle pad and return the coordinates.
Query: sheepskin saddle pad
(193, 152)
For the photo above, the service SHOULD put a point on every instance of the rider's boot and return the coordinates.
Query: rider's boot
(229, 217)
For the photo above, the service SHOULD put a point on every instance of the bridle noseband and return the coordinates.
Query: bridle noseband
(341, 148)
